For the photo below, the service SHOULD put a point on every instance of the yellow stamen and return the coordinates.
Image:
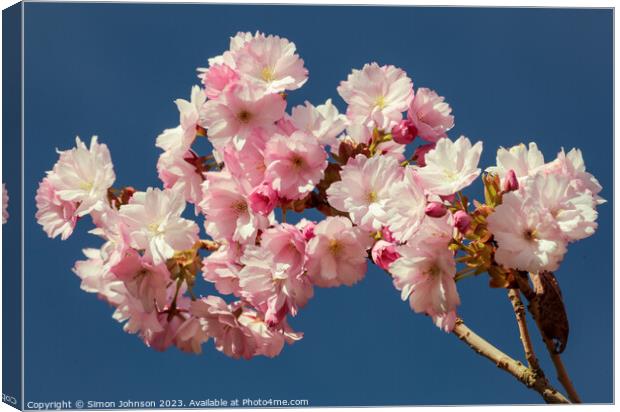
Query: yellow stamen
(371, 197)
(267, 74)
(335, 247)
(380, 102)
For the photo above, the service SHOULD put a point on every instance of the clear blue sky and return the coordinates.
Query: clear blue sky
(510, 75)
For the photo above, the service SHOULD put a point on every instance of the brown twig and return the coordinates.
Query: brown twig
(534, 309)
(525, 375)
(517, 305)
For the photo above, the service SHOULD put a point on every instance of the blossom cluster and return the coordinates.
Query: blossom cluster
(406, 214)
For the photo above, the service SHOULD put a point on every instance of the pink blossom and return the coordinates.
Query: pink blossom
(5, 204)
(405, 206)
(239, 111)
(154, 223)
(263, 199)
(271, 62)
(222, 268)
(97, 278)
(274, 283)
(83, 176)
(572, 165)
(337, 253)
(295, 164)
(218, 321)
(111, 226)
(247, 165)
(523, 161)
(238, 331)
(57, 216)
(137, 320)
(384, 254)
(364, 189)
(189, 336)
(377, 95)
(450, 166)
(179, 171)
(404, 132)
(323, 122)
(573, 211)
(430, 115)
(527, 235)
(217, 78)
(227, 212)
(425, 275)
(181, 137)
(144, 280)
(287, 245)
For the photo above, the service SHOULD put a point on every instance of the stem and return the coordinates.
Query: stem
(562, 374)
(522, 373)
(515, 298)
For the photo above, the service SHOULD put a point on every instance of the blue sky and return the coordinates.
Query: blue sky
(511, 75)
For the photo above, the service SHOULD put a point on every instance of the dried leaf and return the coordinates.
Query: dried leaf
(552, 313)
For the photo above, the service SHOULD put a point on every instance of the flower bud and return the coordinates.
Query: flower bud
(436, 209)
(263, 199)
(420, 153)
(404, 132)
(511, 182)
(307, 228)
(384, 254)
(461, 221)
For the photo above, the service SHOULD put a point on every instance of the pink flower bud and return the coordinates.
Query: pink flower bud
(307, 230)
(461, 221)
(263, 199)
(420, 153)
(510, 181)
(404, 132)
(436, 209)
(384, 254)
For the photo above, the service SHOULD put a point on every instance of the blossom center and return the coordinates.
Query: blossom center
(240, 206)
(297, 161)
(530, 235)
(433, 271)
(335, 247)
(380, 102)
(155, 228)
(450, 175)
(244, 116)
(371, 197)
(267, 74)
(86, 186)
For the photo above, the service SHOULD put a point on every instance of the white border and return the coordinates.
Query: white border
(479, 3)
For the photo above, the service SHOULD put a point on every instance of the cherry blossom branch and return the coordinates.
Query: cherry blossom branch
(522, 373)
(515, 298)
(560, 369)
